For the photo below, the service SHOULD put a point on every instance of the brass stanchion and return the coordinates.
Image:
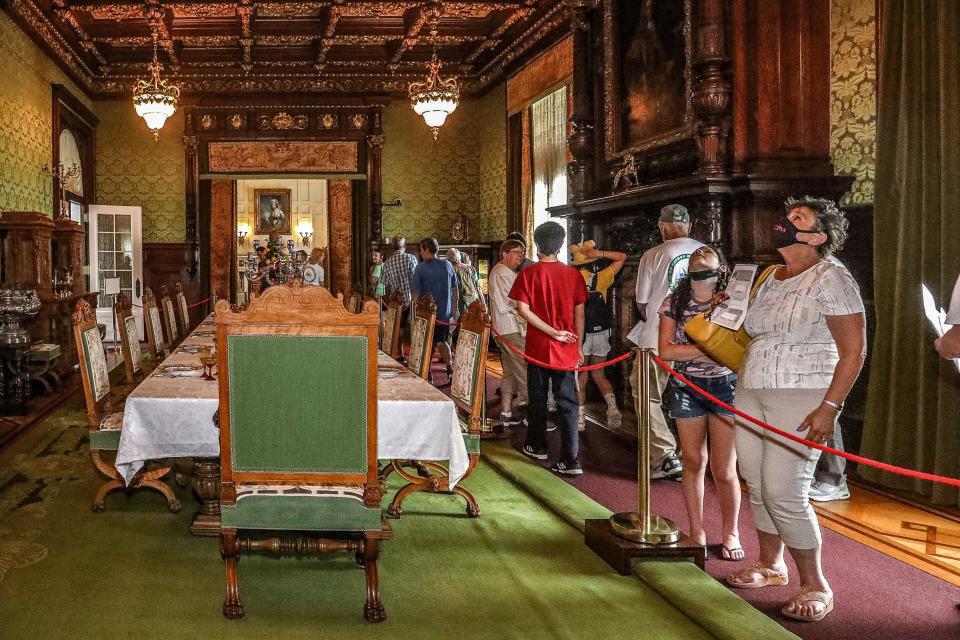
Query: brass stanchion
(643, 526)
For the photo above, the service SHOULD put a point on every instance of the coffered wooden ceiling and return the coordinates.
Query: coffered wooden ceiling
(249, 46)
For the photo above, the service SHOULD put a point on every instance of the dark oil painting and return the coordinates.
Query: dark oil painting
(652, 54)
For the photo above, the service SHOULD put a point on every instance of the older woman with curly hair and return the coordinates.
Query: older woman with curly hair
(807, 325)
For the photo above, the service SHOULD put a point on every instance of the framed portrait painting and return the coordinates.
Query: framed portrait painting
(273, 211)
(648, 82)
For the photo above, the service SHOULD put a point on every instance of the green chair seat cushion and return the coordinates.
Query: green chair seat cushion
(472, 442)
(107, 437)
(319, 508)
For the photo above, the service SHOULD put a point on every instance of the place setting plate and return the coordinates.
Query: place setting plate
(179, 371)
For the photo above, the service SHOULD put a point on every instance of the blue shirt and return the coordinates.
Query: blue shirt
(436, 277)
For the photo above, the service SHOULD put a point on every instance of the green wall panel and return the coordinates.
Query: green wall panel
(465, 168)
(26, 120)
(135, 170)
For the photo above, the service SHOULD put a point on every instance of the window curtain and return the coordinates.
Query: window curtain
(913, 405)
(549, 142)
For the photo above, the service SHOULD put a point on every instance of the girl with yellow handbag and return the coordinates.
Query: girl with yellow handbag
(696, 417)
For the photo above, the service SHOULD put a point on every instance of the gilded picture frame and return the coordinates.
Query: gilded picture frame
(648, 75)
(272, 211)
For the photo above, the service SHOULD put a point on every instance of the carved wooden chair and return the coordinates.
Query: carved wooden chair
(354, 302)
(169, 317)
(421, 336)
(301, 459)
(468, 392)
(129, 339)
(390, 334)
(106, 426)
(183, 309)
(153, 327)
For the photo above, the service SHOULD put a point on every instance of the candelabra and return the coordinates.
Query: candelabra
(61, 174)
(276, 267)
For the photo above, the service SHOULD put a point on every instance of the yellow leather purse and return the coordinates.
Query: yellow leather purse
(726, 346)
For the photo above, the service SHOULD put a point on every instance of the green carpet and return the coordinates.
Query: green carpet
(134, 571)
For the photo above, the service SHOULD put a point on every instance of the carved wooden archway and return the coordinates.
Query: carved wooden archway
(340, 140)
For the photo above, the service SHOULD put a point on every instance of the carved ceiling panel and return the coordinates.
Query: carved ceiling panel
(249, 46)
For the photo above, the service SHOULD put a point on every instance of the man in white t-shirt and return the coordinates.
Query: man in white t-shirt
(949, 345)
(659, 271)
(511, 329)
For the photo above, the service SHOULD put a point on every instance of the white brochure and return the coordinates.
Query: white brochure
(731, 312)
(936, 315)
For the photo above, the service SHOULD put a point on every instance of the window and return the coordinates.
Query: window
(549, 159)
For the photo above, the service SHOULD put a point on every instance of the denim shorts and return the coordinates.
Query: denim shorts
(687, 404)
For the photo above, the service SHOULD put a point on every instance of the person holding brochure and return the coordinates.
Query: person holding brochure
(695, 415)
(949, 345)
(808, 346)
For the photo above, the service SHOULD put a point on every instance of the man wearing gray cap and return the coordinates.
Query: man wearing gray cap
(659, 271)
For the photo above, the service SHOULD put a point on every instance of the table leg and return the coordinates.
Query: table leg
(206, 484)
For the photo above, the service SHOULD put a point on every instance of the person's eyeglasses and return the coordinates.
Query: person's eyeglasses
(519, 252)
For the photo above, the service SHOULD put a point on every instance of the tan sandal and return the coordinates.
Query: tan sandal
(768, 577)
(810, 595)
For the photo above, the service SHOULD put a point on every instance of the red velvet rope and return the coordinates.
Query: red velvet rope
(197, 304)
(544, 365)
(843, 454)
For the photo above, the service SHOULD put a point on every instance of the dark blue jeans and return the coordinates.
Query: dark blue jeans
(568, 406)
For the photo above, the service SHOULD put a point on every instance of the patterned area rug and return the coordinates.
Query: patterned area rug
(29, 479)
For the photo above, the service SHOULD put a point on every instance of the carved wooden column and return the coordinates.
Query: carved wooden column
(712, 89)
(581, 140)
(340, 208)
(374, 158)
(192, 183)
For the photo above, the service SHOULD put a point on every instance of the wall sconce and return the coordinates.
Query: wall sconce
(243, 230)
(305, 229)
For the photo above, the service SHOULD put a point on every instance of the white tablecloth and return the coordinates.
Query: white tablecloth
(169, 417)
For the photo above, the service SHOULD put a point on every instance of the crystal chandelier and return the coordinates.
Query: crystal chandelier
(155, 100)
(435, 98)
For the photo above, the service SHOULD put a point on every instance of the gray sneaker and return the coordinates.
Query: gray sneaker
(822, 492)
(670, 467)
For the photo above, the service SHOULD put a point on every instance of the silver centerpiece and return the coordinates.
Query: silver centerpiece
(16, 305)
(279, 267)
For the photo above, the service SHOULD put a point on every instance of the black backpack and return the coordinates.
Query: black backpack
(597, 316)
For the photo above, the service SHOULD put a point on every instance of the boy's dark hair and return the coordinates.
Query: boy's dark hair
(549, 238)
(431, 245)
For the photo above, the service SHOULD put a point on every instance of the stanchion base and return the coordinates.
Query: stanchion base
(627, 525)
(618, 552)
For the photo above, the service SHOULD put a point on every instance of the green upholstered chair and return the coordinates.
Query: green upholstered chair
(183, 311)
(468, 391)
(129, 339)
(106, 426)
(299, 457)
(421, 336)
(153, 326)
(169, 316)
(391, 331)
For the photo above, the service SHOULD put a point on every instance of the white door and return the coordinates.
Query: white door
(116, 251)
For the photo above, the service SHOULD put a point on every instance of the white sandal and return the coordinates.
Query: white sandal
(768, 577)
(809, 594)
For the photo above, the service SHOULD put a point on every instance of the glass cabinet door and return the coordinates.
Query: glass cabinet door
(116, 252)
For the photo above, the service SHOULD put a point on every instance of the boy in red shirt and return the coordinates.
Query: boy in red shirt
(551, 296)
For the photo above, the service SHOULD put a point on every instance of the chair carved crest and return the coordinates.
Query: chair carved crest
(129, 340)
(390, 342)
(153, 325)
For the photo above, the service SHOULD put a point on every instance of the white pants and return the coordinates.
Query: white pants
(778, 471)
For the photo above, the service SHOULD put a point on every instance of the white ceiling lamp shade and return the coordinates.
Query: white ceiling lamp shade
(435, 98)
(155, 100)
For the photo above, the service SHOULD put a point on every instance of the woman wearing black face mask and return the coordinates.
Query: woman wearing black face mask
(807, 348)
(696, 416)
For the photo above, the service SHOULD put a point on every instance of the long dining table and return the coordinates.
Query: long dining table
(170, 414)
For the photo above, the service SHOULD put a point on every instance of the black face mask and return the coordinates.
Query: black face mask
(704, 275)
(784, 233)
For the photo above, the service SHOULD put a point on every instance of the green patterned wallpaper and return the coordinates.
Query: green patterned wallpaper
(134, 170)
(853, 89)
(25, 120)
(465, 168)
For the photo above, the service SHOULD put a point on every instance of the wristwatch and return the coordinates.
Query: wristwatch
(836, 405)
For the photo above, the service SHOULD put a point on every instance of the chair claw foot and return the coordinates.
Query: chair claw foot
(473, 511)
(374, 611)
(394, 512)
(175, 506)
(233, 611)
(98, 507)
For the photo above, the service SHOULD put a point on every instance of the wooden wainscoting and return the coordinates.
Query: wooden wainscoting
(167, 263)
